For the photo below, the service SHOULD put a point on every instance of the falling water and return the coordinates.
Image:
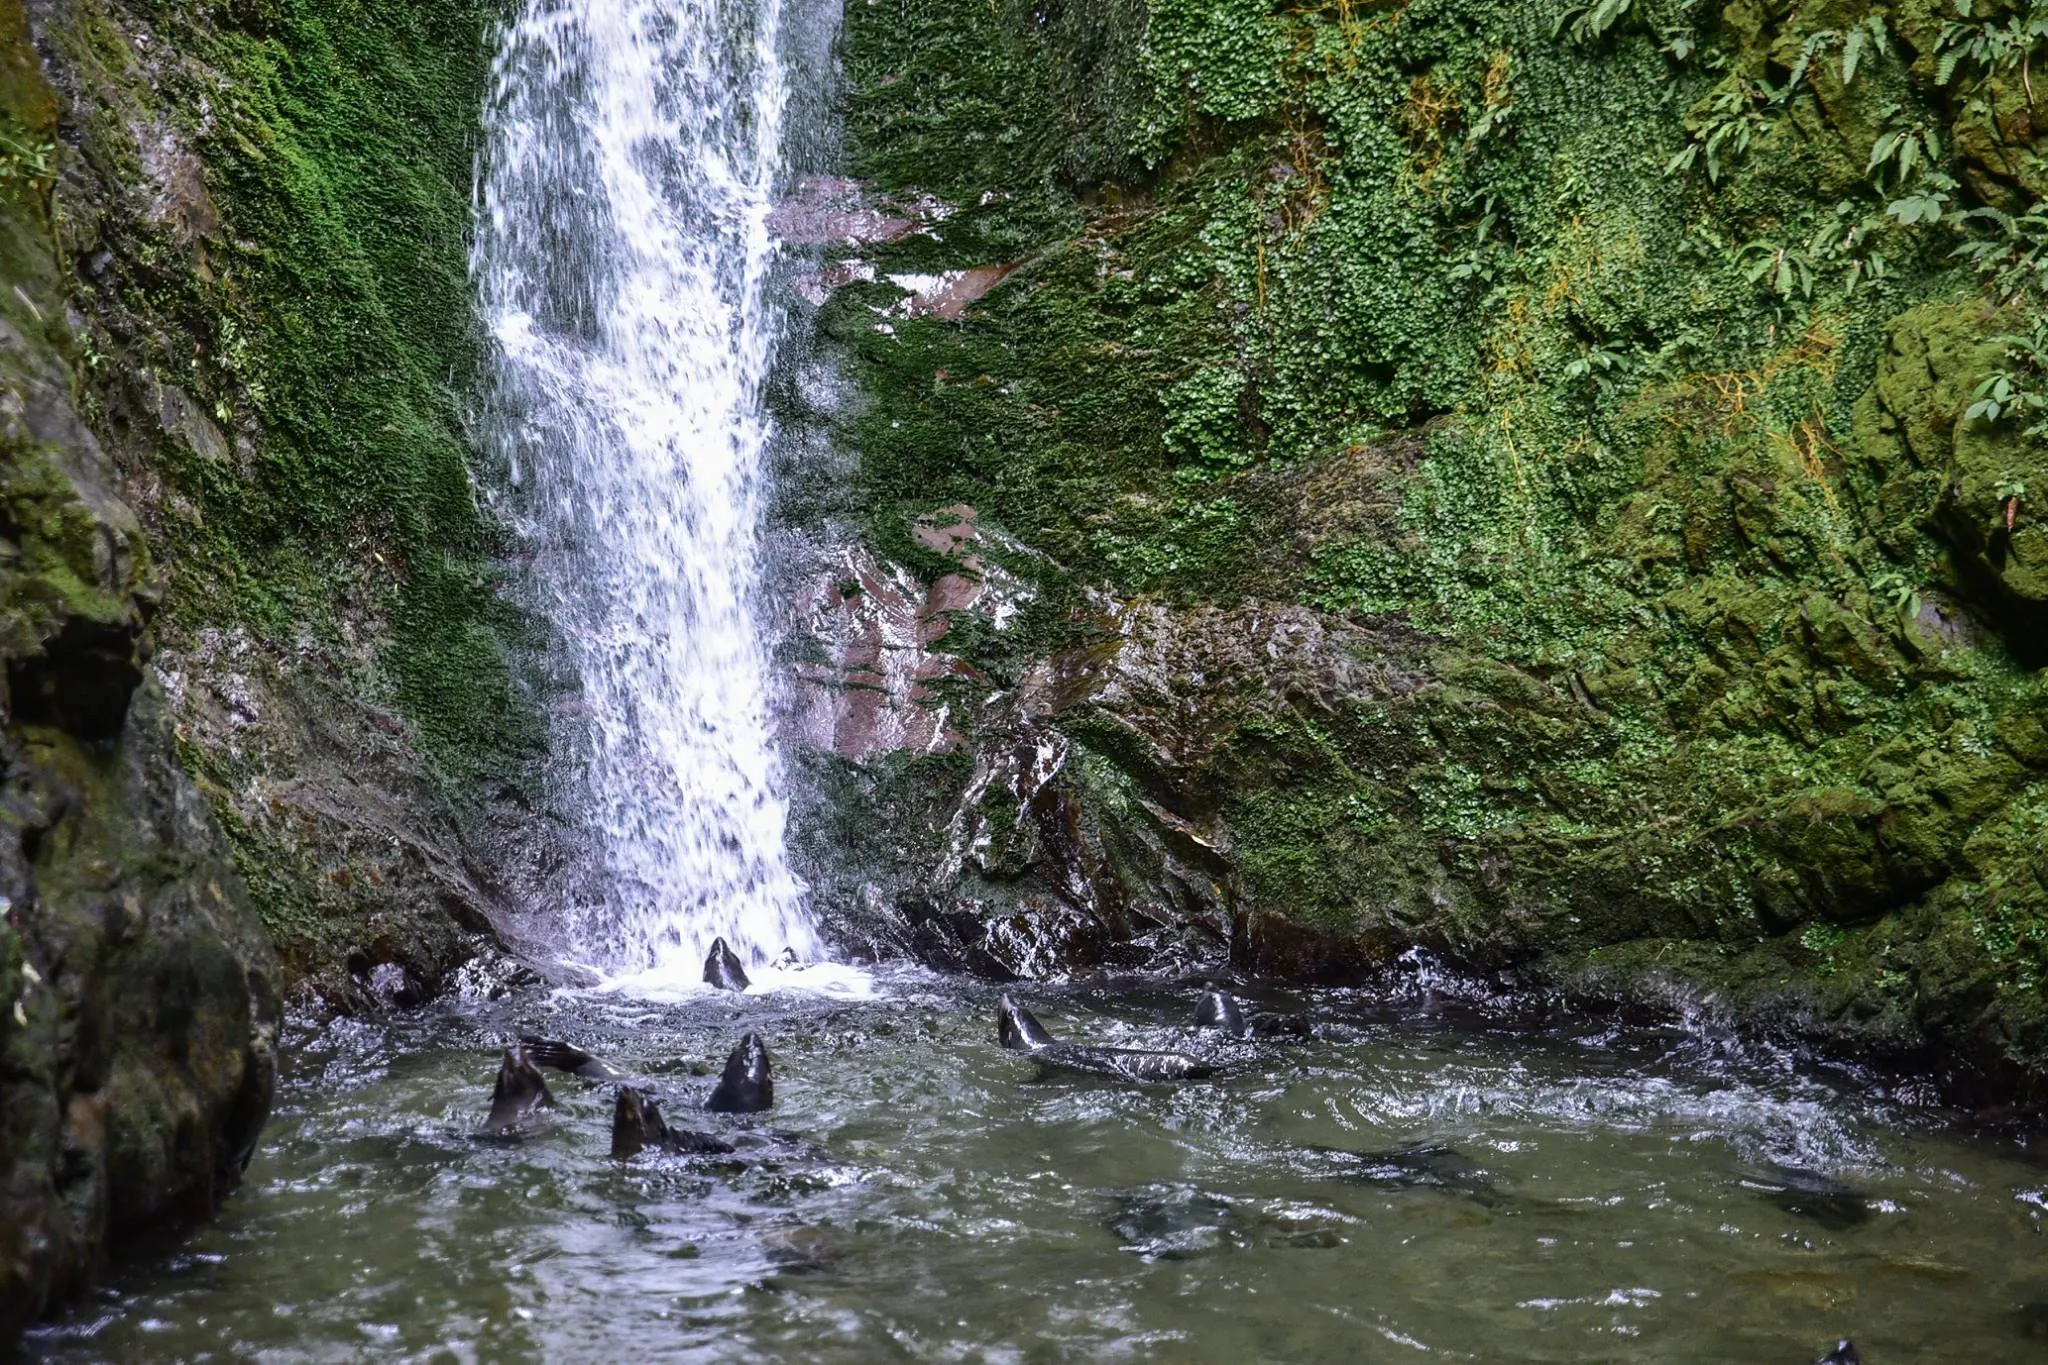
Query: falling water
(622, 257)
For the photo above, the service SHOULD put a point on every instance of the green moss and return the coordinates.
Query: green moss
(326, 324)
(1413, 312)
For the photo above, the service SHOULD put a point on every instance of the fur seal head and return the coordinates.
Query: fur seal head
(636, 1124)
(747, 1087)
(521, 1092)
(1017, 1030)
(1218, 1009)
(722, 968)
(1843, 1354)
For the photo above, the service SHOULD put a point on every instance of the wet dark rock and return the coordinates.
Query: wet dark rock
(369, 837)
(1814, 1196)
(139, 996)
(139, 1007)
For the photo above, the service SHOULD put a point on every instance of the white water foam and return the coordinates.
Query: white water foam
(621, 259)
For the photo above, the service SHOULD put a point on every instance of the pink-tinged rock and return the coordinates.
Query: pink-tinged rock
(961, 287)
(819, 285)
(830, 210)
(870, 694)
(876, 627)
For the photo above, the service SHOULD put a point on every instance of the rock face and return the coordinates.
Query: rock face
(139, 998)
(1457, 493)
(260, 226)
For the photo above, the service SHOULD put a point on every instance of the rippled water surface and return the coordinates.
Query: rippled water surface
(919, 1195)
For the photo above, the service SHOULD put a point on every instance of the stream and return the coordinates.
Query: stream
(1425, 1176)
(918, 1194)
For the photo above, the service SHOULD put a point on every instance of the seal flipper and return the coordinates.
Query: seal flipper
(1219, 1010)
(1843, 1354)
(569, 1058)
(520, 1093)
(1018, 1030)
(748, 1086)
(722, 968)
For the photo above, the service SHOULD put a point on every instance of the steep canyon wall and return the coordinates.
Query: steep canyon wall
(259, 714)
(1498, 476)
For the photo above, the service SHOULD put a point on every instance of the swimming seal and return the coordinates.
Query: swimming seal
(1417, 1165)
(1018, 1031)
(1843, 1354)
(722, 968)
(570, 1058)
(637, 1124)
(1218, 1010)
(748, 1086)
(1809, 1194)
(521, 1093)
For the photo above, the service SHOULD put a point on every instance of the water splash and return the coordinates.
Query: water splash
(622, 255)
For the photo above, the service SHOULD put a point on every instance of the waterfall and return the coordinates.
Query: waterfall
(621, 259)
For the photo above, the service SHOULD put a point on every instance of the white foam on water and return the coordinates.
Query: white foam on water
(817, 978)
(621, 258)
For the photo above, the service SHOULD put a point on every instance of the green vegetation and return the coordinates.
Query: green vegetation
(264, 207)
(1628, 351)
(312, 297)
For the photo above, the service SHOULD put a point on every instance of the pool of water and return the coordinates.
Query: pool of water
(920, 1195)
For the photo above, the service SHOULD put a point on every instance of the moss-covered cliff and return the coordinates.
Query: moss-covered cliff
(1503, 476)
(262, 209)
(258, 697)
(139, 999)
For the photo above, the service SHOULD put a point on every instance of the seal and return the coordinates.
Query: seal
(722, 968)
(637, 1124)
(1018, 1030)
(1843, 1354)
(748, 1085)
(520, 1094)
(1218, 1010)
(1812, 1195)
(1416, 1166)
